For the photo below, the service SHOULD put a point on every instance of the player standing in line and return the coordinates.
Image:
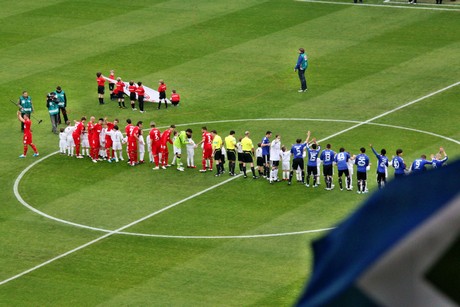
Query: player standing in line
(248, 151)
(90, 128)
(97, 138)
(62, 103)
(297, 151)
(120, 85)
(76, 134)
(141, 147)
(100, 87)
(312, 164)
(25, 105)
(437, 160)
(286, 162)
(117, 140)
(140, 91)
(162, 94)
(265, 144)
(362, 162)
(259, 159)
(27, 138)
(181, 139)
(327, 156)
(275, 156)
(175, 98)
(381, 166)
(128, 129)
(419, 164)
(341, 159)
(217, 152)
(69, 139)
(175, 149)
(112, 84)
(133, 140)
(155, 144)
(230, 145)
(85, 143)
(164, 140)
(239, 151)
(206, 140)
(190, 153)
(398, 164)
(132, 94)
(108, 139)
(62, 141)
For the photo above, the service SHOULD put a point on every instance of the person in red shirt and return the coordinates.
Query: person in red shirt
(175, 98)
(206, 140)
(79, 127)
(132, 143)
(27, 138)
(140, 96)
(155, 136)
(108, 139)
(97, 139)
(162, 93)
(128, 129)
(120, 93)
(112, 84)
(91, 129)
(164, 140)
(132, 94)
(100, 87)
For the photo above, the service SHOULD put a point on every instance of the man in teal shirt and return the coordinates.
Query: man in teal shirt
(25, 105)
(62, 103)
(301, 66)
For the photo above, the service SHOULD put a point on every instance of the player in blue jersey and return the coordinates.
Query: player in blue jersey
(398, 164)
(419, 164)
(341, 160)
(327, 156)
(362, 162)
(381, 166)
(265, 144)
(437, 160)
(297, 151)
(313, 151)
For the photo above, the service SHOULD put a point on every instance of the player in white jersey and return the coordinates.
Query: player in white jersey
(117, 140)
(69, 138)
(62, 141)
(141, 147)
(190, 146)
(275, 155)
(148, 143)
(84, 143)
(239, 151)
(286, 162)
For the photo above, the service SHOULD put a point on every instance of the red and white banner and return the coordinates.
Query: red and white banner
(150, 95)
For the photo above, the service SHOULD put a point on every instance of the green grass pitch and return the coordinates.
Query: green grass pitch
(232, 62)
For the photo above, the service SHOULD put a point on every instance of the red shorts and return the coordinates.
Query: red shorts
(27, 139)
(207, 152)
(76, 139)
(164, 149)
(108, 143)
(132, 145)
(156, 148)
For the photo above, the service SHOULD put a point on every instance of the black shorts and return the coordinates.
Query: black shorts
(111, 86)
(361, 175)
(247, 157)
(297, 162)
(327, 170)
(231, 154)
(312, 170)
(162, 95)
(345, 172)
(260, 161)
(266, 158)
(100, 89)
(120, 94)
(132, 96)
(240, 157)
(275, 163)
(218, 154)
(381, 177)
(175, 103)
(140, 98)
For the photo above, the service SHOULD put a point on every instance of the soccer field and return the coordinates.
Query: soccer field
(77, 233)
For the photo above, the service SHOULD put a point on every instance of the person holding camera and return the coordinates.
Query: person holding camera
(52, 104)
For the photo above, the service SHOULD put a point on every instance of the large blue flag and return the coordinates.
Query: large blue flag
(401, 248)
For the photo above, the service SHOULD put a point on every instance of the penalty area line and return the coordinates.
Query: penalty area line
(385, 5)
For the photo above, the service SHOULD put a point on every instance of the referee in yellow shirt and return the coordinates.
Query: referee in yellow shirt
(248, 152)
(217, 152)
(230, 145)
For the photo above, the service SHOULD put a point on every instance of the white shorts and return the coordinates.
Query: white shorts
(286, 166)
(177, 151)
(70, 142)
(84, 143)
(116, 146)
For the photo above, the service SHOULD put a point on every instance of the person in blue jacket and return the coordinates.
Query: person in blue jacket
(300, 67)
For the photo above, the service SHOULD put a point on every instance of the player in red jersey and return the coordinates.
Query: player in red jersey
(155, 136)
(164, 140)
(108, 139)
(27, 138)
(120, 94)
(206, 140)
(132, 94)
(76, 134)
(140, 91)
(112, 84)
(162, 93)
(90, 128)
(100, 87)
(128, 128)
(175, 98)
(132, 143)
(97, 138)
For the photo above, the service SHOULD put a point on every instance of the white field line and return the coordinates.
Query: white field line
(389, 5)
(196, 194)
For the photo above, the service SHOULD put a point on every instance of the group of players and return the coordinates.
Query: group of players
(102, 140)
